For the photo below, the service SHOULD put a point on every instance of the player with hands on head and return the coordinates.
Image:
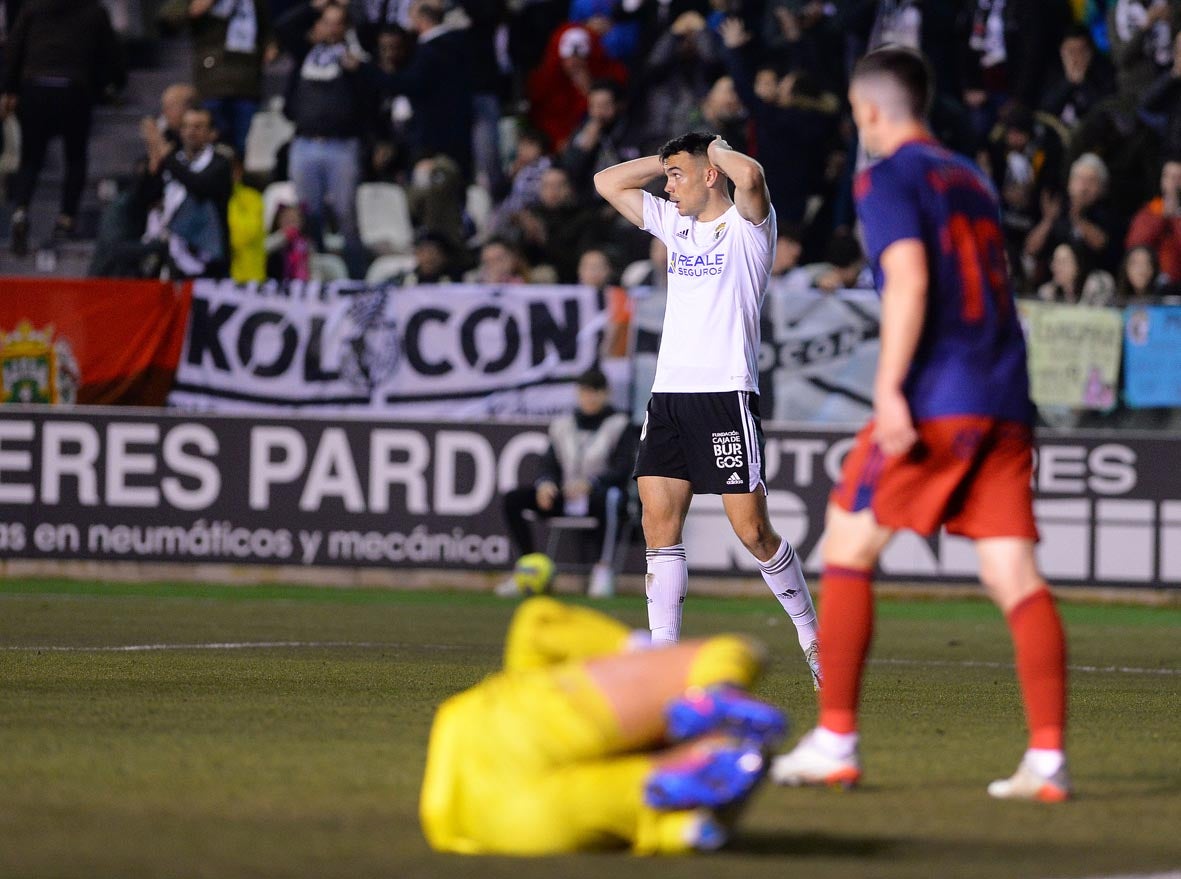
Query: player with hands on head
(702, 432)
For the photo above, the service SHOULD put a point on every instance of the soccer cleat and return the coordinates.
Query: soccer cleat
(708, 778)
(808, 764)
(812, 657)
(707, 832)
(1028, 784)
(724, 709)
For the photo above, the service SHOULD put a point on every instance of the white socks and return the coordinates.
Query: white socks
(666, 584)
(839, 746)
(786, 578)
(1044, 761)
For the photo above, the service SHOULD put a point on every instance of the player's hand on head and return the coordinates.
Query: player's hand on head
(893, 428)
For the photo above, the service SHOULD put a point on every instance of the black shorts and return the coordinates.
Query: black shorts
(712, 440)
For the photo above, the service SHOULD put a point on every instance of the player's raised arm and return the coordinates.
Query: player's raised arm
(750, 186)
(904, 307)
(623, 185)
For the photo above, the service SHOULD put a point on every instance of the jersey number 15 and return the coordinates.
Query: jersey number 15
(980, 252)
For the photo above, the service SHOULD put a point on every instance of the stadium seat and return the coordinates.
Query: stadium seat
(383, 218)
(328, 267)
(278, 193)
(479, 208)
(269, 130)
(636, 273)
(386, 267)
(507, 130)
(10, 159)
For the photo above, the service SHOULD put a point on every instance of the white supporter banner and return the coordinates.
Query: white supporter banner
(456, 351)
(821, 350)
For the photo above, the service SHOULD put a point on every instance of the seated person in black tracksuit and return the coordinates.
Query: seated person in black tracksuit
(584, 473)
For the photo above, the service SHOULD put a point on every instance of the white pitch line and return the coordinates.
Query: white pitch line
(220, 645)
(1176, 874)
(370, 645)
(970, 663)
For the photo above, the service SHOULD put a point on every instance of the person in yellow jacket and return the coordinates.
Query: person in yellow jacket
(248, 256)
(590, 738)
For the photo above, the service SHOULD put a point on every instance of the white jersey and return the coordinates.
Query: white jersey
(717, 275)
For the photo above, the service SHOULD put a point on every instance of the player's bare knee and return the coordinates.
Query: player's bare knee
(759, 538)
(1009, 584)
(660, 531)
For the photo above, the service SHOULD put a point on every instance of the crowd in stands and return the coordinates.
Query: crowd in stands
(455, 140)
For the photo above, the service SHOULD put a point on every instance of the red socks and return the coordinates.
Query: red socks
(1039, 646)
(846, 629)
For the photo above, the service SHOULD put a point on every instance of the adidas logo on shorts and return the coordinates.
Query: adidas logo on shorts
(734, 479)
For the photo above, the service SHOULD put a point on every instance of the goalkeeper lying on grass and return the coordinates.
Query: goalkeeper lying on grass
(588, 740)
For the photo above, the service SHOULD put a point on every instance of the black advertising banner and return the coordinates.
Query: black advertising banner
(163, 486)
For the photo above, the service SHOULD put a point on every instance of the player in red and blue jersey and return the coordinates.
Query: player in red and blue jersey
(950, 442)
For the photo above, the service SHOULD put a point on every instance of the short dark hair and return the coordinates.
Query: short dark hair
(593, 378)
(843, 251)
(533, 135)
(907, 68)
(608, 85)
(432, 12)
(695, 143)
(1079, 32)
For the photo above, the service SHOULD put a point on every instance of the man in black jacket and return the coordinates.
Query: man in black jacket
(438, 83)
(196, 182)
(60, 58)
(331, 100)
(584, 472)
(793, 133)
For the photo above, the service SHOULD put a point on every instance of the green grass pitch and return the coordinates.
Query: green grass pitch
(303, 759)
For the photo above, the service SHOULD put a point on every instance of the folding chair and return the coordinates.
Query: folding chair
(584, 526)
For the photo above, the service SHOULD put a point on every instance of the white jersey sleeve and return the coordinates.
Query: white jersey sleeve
(660, 217)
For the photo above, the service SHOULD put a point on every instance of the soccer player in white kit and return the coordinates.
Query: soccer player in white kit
(702, 433)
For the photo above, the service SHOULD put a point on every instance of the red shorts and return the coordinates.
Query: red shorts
(968, 472)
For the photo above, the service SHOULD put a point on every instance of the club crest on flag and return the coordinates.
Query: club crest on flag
(35, 367)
